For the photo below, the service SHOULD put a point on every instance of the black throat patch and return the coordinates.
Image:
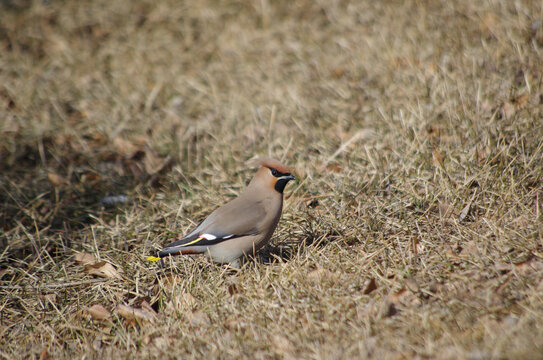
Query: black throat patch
(280, 185)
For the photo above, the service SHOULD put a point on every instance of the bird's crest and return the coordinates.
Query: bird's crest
(272, 164)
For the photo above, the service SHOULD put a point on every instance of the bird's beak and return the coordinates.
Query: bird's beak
(287, 177)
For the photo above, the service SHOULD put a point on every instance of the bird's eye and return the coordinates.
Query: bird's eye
(274, 172)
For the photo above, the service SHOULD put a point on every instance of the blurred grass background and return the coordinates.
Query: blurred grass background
(415, 129)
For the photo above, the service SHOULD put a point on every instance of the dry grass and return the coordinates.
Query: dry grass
(415, 128)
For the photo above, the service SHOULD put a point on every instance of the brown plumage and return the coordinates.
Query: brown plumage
(243, 225)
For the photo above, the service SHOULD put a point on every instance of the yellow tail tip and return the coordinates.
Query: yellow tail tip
(153, 258)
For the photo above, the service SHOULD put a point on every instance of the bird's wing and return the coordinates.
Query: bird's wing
(234, 219)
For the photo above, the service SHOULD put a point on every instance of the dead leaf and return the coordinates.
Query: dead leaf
(90, 178)
(56, 179)
(397, 296)
(49, 297)
(464, 213)
(124, 147)
(45, 355)
(282, 345)
(521, 100)
(470, 249)
(162, 342)
(154, 163)
(488, 23)
(337, 73)
(390, 310)
(62, 139)
(145, 306)
(98, 312)
(405, 297)
(334, 168)
(412, 285)
(182, 302)
(371, 285)
(84, 258)
(10, 126)
(103, 269)
(502, 267)
(528, 265)
(233, 289)
(508, 110)
(97, 344)
(438, 158)
(132, 314)
(317, 275)
(445, 210)
(198, 318)
(416, 245)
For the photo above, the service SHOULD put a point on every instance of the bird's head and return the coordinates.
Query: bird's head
(272, 174)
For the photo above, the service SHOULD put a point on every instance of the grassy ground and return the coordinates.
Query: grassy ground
(415, 130)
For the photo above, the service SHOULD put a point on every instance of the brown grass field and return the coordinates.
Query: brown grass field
(414, 229)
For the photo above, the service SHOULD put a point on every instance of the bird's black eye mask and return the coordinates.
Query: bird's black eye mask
(277, 173)
(282, 179)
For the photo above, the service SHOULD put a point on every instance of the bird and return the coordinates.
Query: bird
(242, 226)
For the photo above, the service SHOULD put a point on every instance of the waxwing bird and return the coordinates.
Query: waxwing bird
(241, 226)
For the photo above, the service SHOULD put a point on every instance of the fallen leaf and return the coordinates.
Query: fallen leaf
(372, 285)
(502, 267)
(416, 245)
(45, 355)
(528, 266)
(98, 312)
(56, 179)
(438, 158)
(49, 297)
(282, 345)
(412, 285)
(198, 318)
(84, 258)
(10, 126)
(154, 163)
(145, 306)
(182, 302)
(233, 289)
(90, 178)
(97, 344)
(132, 314)
(405, 297)
(488, 23)
(337, 73)
(162, 342)
(334, 168)
(464, 213)
(397, 296)
(103, 269)
(125, 147)
(521, 100)
(433, 131)
(469, 249)
(390, 310)
(317, 275)
(445, 210)
(508, 110)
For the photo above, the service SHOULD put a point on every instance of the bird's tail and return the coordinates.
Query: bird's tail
(174, 250)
